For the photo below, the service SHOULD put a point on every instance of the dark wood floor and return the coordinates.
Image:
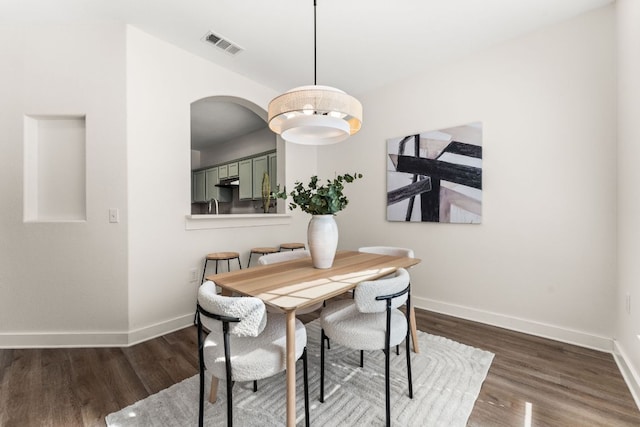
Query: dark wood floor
(563, 385)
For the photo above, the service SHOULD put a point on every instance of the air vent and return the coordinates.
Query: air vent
(222, 43)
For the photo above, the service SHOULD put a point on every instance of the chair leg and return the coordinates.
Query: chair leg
(387, 342)
(409, 368)
(322, 338)
(201, 401)
(249, 262)
(201, 369)
(414, 330)
(227, 357)
(204, 270)
(362, 358)
(398, 350)
(306, 387)
(239, 265)
(410, 332)
(255, 386)
(387, 383)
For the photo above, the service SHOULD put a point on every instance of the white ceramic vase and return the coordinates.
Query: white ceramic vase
(322, 237)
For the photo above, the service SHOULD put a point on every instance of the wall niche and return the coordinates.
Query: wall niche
(55, 168)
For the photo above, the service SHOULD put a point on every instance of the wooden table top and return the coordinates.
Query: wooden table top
(296, 284)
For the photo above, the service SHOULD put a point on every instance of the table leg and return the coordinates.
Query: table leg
(213, 394)
(414, 331)
(291, 368)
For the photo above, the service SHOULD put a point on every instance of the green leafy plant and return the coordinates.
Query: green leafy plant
(316, 199)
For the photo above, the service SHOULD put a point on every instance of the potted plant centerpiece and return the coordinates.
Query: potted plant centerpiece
(322, 201)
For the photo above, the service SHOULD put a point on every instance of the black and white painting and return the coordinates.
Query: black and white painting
(436, 176)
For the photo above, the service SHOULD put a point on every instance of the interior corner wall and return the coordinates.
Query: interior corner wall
(64, 283)
(543, 260)
(627, 331)
(162, 82)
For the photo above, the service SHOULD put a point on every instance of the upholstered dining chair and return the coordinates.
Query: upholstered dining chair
(370, 321)
(245, 343)
(403, 252)
(288, 256)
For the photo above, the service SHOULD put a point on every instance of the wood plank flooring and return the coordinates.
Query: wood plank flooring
(557, 384)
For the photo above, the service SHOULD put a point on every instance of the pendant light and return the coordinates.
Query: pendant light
(315, 115)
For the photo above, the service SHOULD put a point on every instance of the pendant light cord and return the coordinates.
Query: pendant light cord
(315, 54)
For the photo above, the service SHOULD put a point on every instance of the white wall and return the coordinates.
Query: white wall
(162, 82)
(628, 325)
(544, 258)
(64, 283)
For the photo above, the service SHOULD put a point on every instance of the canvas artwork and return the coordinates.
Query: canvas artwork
(436, 176)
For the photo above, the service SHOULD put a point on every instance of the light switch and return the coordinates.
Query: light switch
(114, 215)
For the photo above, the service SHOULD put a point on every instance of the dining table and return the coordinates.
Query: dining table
(292, 285)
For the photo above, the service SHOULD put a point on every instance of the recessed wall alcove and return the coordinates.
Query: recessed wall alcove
(54, 168)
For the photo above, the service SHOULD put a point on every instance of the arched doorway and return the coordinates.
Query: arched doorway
(231, 149)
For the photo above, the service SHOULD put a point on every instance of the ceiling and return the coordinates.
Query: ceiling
(361, 44)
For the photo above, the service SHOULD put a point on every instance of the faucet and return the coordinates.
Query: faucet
(216, 202)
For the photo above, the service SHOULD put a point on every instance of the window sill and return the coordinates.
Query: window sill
(205, 222)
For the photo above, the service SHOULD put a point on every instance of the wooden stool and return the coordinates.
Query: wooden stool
(220, 256)
(291, 246)
(261, 251)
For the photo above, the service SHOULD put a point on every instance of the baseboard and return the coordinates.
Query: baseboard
(124, 339)
(63, 339)
(530, 327)
(162, 328)
(631, 377)
(93, 339)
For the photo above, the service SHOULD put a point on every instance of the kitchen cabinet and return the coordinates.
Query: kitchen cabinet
(273, 170)
(210, 191)
(260, 167)
(245, 173)
(233, 169)
(249, 171)
(223, 172)
(211, 179)
(198, 187)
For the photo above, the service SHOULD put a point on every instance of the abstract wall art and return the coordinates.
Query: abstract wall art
(436, 176)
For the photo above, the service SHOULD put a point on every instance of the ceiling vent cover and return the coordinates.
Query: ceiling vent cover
(222, 43)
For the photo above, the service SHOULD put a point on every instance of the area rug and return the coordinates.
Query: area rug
(447, 377)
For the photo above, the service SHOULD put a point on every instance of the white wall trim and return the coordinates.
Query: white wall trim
(93, 339)
(631, 377)
(531, 327)
(63, 339)
(123, 339)
(162, 328)
(205, 222)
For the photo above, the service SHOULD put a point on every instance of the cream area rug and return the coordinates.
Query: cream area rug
(447, 377)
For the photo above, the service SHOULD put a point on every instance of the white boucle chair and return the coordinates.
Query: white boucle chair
(404, 252)
(370, 321)
(288, 256)
(245, 344)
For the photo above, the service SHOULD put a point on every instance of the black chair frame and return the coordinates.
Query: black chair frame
(386, 350)
(204, 270)
(226, 320)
